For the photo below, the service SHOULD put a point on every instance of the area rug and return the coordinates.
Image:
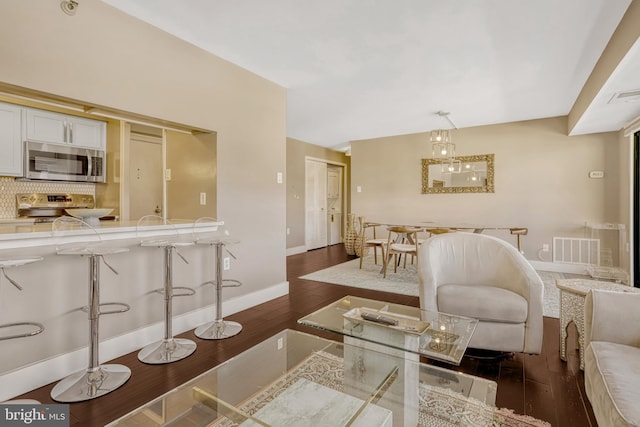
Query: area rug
(438, 407)
(405, 280)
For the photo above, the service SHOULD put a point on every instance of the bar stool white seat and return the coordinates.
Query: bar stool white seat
(218, 328)
(169, 349)
(97, 380)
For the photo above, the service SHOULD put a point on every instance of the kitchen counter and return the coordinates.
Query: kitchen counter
(56, 288)
(23, 234)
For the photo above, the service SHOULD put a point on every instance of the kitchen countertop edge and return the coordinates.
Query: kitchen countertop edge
(14, 236)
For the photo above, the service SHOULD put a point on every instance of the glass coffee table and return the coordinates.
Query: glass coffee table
(299, 379)
(437, 336)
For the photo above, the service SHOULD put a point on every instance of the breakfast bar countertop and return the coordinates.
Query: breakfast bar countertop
(14, 236)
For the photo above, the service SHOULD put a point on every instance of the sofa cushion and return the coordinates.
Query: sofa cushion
(485, 303)
(613, 373)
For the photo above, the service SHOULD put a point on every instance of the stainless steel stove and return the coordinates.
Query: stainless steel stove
(47, 207)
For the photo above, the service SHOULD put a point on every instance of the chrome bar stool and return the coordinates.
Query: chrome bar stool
(218, 328)
(97, 380)
(169, 349)
(34, 327)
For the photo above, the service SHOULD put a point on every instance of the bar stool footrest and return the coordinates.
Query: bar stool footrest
(183, 291)
(124, 309)
(231, 283)
(39, 329)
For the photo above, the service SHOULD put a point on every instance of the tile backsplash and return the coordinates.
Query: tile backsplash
(9, 187)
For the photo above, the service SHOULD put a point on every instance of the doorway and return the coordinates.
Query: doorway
(324, 203)
(146, 175)
(168, 172)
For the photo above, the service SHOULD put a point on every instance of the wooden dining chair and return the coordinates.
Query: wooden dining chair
(519, 231)
(374, 242)
(401, 241)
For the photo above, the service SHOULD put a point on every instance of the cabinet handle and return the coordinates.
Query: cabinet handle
(90, 166)
(66, 129)
(70, 132)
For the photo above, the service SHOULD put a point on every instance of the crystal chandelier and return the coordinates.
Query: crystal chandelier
(442, 146)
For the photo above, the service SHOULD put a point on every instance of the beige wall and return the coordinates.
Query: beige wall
(192, 160)
(104, 57)
(297, 152)
(541, 181)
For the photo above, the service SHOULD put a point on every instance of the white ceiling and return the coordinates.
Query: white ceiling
(357, 69)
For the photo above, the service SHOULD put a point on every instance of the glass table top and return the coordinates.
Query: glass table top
(438, 336)
(298, 379)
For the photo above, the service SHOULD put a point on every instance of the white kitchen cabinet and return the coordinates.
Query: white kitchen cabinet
(10, 140)
(88, 133)
(45, 126)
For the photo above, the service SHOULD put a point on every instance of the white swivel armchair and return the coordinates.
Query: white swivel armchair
(486, 278)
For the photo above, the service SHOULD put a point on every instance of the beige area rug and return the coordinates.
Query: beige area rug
(439, 407)
(405, 281)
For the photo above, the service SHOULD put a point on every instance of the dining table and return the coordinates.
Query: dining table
(475, 227)
(430, 226)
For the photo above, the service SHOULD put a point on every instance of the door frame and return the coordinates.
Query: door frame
(341, 171)
(634, 234)
(125, 180)
(344, 189)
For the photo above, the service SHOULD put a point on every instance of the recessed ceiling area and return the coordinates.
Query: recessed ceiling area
(357, 69)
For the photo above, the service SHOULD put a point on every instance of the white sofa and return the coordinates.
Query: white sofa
(612, 357)
(483, 277)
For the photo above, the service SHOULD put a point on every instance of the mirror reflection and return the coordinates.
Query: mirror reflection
(464, 174)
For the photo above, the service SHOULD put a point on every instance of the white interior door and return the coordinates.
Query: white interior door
(315, 204)
(334, 204)
(146, 177)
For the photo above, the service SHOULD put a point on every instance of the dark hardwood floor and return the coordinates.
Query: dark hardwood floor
(541, 386)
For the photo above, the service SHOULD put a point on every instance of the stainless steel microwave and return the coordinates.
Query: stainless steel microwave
(57, 162)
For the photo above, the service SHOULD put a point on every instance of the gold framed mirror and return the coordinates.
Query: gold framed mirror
(466, 174)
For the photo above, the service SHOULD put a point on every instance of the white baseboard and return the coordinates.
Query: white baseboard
(296, 250)
(559, 267)
(30, 377)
